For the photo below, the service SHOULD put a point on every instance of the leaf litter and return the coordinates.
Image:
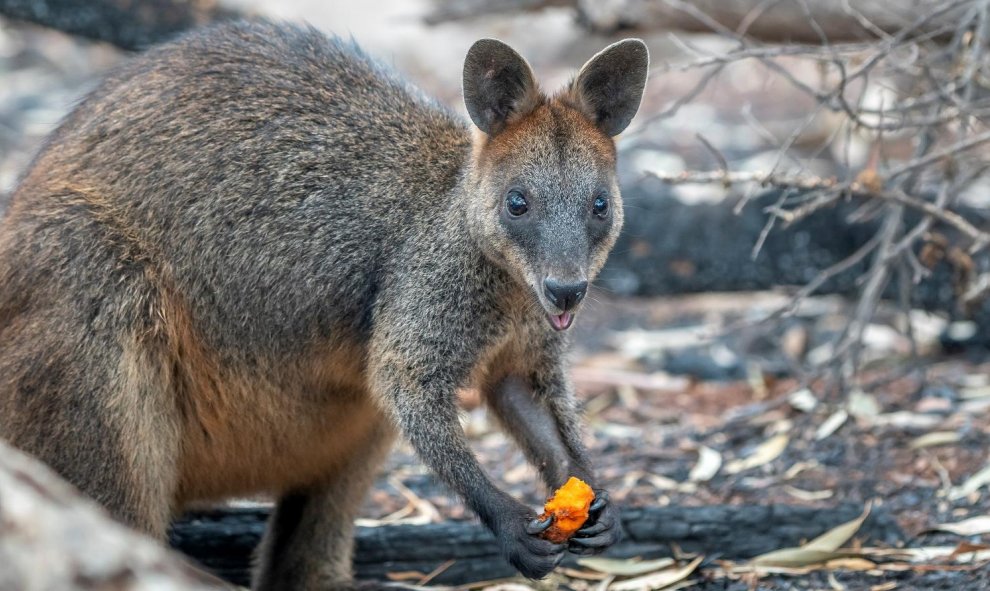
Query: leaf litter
(915, 443)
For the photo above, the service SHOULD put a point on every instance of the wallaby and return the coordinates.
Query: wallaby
(253, 256)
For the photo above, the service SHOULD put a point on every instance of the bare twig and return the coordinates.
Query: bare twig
(904, 87)
(831, 191)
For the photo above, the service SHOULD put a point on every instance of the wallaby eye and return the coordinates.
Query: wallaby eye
(600, 206)
(516, 203)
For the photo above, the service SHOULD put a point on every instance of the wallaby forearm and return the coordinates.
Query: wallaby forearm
(529, 418)
(435, 433)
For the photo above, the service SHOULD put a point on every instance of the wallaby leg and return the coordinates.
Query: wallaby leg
(310, 539)
(92, 405)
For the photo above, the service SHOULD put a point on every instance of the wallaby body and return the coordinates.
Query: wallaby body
(253, 257)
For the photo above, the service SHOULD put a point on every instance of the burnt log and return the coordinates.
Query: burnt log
(461, 552)
(830, 21)
(833, 21)
(128, 24)
(669, 247)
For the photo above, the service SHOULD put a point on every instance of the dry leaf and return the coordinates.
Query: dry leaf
(975, 407)
(907, 420)
(585, 575)
(662, 482)
(963, 553)
(604, 584)
(659, 580)
(862, 405)
(656, 381)
(973, 484)
(681, 585)
(819, 550)
(774, 570)
(798, 557)
(934, 404)
(628, 396)
(800, 467)
(833, 539)
(935, 438)
(757, 381)
(803, 400)
(974, 526)
(405, 575)
(626, 567)
(975, 393)
(618, 430)
(767, 452)
(888, 586)
(870, 179)
(808, 495)
(643, 343)
(831, 424)
(709, 462)
(852, 563)
(834, 584)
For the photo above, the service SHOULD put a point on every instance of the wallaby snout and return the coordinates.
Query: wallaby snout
(564, 294)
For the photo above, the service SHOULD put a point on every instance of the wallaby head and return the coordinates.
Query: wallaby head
(544, 202)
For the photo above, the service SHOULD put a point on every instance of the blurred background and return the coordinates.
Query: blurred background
(794, 314)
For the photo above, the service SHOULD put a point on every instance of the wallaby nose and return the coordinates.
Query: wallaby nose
(564, 295)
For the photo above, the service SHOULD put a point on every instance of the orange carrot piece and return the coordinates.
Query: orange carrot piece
(569, 507)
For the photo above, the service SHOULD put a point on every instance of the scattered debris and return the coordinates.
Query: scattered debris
(709, 462)
(767, 452)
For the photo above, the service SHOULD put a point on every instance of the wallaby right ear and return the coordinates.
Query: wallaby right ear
(499, 86)
(610, 86)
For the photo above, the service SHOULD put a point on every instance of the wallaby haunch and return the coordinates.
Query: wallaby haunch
(252, 256)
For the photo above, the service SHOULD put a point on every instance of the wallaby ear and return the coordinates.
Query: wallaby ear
(609, 87)
(498, 85)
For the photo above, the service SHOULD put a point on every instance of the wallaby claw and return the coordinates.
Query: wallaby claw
(601, 499)
(538, 526)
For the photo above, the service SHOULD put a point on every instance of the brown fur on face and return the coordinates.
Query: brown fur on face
(253, 256)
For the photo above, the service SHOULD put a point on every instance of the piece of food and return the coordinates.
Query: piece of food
(569, 507)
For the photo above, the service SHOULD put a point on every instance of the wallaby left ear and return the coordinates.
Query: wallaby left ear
(498, 85)
(609, 87)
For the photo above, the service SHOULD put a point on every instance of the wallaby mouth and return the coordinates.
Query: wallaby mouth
(561, 321)
(564, 296)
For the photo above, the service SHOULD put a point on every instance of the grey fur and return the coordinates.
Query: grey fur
(252, 256)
